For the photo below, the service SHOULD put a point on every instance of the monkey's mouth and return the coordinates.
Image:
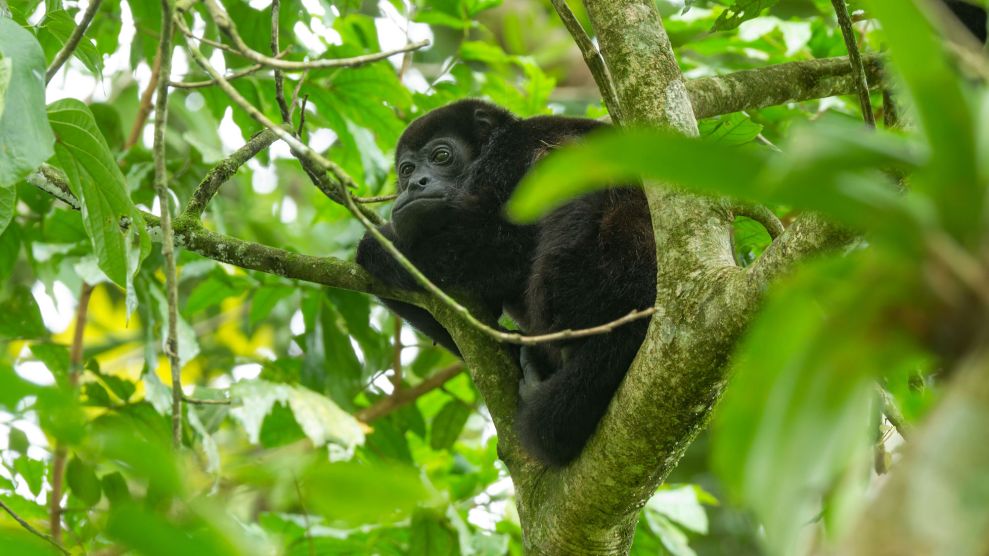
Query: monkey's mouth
(420, 202)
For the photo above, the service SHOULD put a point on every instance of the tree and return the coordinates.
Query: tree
(877, 298)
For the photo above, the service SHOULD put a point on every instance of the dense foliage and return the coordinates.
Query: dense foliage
(314, 423)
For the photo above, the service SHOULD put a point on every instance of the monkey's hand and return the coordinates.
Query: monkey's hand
(381, 264)
(531, 373)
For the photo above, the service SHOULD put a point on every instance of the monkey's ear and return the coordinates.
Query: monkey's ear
(485, 120)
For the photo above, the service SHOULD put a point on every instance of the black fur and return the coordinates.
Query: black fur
(587, 263)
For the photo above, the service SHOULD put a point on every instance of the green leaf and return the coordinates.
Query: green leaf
(17, 441)
(680, 505)
(265, 299)
(365, 492)
(945, 114)
(795, 426)
(447, 425)
(320, 419)
(54, 31)
(6, 73)
(122, 388)
(96, 395)
(674, 540)
(431, 534)
(83, 482)
(115, 487)
(814, 173)
(10, 248)
(211, 291)
(26, 138)
(55, 357)
(739, 12)
(22, 317)
(730, 129)
(32, 471)
(8, 206)
(96, 180)
(22, 543)
(152, 534)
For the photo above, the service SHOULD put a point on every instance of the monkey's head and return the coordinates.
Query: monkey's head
(434, 158)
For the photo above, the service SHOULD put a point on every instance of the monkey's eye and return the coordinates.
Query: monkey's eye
(405, 170)
(442, 155)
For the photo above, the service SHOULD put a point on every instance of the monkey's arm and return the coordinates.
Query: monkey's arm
(373, 257)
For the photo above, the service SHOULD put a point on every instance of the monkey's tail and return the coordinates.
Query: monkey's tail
(559, 418)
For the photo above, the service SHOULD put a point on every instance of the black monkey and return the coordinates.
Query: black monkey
(586, 263)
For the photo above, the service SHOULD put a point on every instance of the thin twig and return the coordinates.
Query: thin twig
(31, 529)
(592, 56)
(893, 413)
(215, 44)
(279, 78)
(249, 70)
(855, 59)
(198, 401)
(396, 356)
(144, 109)
(305, 517)
(222, 171)
(73, 42)
(167, 236)
(228, 28)
(344, 183)
(58, 461)
(375, 199)
(405, 396)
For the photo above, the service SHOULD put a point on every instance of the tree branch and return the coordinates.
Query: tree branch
(167, 236)
(403, 397)
(219, 174)
(279, 79)
(778, 84)
(31, 529)
(808, 236)
(144, 109)
(226, 25)
(249, 70)
(592, 57)
(73, 42)
(861, 83)
(58, 461)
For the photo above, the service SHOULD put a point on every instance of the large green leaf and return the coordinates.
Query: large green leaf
(827, 170)
(795, 428)
(25, 136)
(945, 115)
(94, 177)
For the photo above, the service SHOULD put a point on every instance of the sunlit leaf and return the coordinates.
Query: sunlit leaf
(321, 419)
(26, 138)
(741, 11)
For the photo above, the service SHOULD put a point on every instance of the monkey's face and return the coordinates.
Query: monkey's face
(428, 178)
